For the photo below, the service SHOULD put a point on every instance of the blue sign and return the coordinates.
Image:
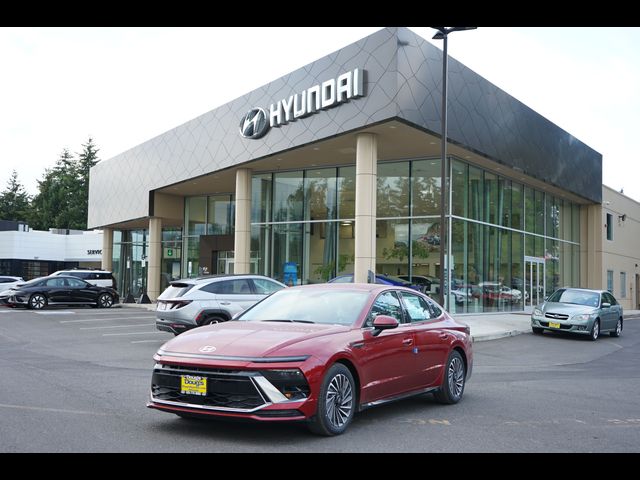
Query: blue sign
(290, 276)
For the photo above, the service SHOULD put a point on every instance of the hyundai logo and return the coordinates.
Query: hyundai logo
(208, 349)
(254, 124)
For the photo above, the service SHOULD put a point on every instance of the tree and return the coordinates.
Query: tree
(62, 200)
(14, 201)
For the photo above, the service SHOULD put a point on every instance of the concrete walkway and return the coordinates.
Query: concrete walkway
(487, 326)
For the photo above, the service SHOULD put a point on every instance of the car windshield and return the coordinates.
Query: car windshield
(309, 306)
(576, 297)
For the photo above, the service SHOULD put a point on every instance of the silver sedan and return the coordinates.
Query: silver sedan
(578, 310)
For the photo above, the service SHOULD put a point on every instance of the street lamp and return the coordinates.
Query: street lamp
(443, 33)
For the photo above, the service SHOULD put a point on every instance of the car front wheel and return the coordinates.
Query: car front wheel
(454, 380)
(595, 331)
(336, 403)
(37, 301)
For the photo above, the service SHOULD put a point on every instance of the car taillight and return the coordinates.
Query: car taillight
(174, 305)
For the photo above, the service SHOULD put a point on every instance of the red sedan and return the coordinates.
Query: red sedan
(316, 353)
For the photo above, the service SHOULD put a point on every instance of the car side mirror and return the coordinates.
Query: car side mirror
(606, 304)
(383, 322)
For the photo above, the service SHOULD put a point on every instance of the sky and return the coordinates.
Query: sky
(123, 86)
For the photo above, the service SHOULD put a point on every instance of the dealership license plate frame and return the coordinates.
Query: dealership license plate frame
(193, 385)
(554, 325)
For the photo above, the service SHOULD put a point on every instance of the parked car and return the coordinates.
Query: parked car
(427, 284)
(191, 303)
(316, 353)
(60, 290)
(579, 310)
(381, 279)
(101, 278)
(7, 282)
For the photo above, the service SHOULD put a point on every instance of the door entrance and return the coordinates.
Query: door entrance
(534, 278)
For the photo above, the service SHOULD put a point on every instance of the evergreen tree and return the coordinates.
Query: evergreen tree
(14, 201)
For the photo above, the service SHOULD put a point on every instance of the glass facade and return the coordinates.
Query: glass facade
(130, 250)
(510, 244)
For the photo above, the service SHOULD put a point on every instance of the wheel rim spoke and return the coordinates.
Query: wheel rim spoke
(456, 377)
(339, 400)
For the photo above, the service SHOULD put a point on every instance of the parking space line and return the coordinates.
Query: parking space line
(104, 319)
(135, 325)
(56, 312)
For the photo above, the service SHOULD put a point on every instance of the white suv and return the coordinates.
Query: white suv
(7, 282)
(101, 278)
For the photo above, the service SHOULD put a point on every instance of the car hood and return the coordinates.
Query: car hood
(246, 339)
(567, 308)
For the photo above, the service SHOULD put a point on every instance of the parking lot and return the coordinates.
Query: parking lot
(77, 380)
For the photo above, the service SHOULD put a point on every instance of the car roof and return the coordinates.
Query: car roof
(368, 287)
(590, 290)
(208, 278)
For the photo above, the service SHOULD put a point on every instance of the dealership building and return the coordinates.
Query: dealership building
(335, 168)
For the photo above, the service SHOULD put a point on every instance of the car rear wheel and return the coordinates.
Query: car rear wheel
(37, 301)
(105, 300)
(336, 402)
(618, 330)
(455, 375)
(595, 331)
(211, 319)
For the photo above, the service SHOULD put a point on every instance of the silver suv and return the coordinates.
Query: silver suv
(194, 302)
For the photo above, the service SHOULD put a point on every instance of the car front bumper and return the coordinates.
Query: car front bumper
(581, 327)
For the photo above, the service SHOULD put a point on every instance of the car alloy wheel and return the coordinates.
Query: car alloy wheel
(105, 300)
(453, 383)
(618, 330)
(37, 301)
(337, 402)
(595, 331)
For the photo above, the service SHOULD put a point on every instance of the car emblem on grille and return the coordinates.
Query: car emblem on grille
(208, 349)
(254, 124)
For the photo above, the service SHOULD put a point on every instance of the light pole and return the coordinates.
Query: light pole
(443, 33)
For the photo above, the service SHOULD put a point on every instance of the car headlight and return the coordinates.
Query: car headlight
(537, 312)
(291, 382)
(583, 317)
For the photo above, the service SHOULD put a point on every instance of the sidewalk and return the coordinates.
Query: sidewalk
(487, 326)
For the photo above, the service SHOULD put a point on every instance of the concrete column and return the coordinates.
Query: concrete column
(107, 249)
(242, 234)
(366, 188)
(154, 260)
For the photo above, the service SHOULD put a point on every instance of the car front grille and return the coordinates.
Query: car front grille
(226, 389)
(556, 316)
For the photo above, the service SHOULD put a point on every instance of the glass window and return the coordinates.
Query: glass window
(575, 222)
(260, 248)
(195, 215)
(490, 198)
(265, 286)
(261, 198)
(476, 195)
(504, 202)
(529, 210)
(387, 303)
(393, 190)
(288, 196)
(416, 307)
(517, 218)
(392, 245)
(425, 187)
(240, 286)
(76, 283)
(623, 284)
(609, 226)
(459, 190)
(346, 184)
(320, 194)
(287, 253)
(610, 280)
(220, 215)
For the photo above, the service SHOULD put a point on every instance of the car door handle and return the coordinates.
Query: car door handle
(225, 303)
(407, 341)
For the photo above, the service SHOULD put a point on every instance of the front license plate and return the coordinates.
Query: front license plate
(192, 385)
(554, 325)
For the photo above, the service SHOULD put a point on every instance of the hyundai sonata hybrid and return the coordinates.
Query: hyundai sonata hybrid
(315, 353)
